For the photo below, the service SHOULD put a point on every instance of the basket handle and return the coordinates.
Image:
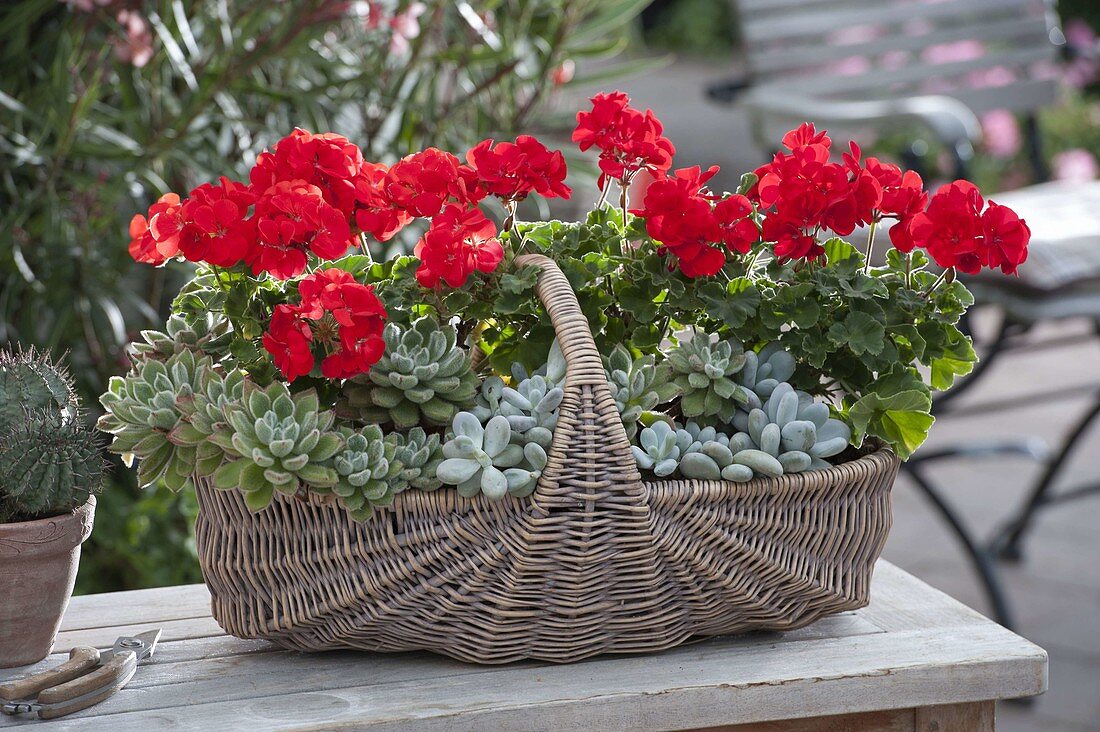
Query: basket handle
(590, 453)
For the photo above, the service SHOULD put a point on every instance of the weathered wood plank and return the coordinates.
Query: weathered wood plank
(896, 720)
(912, 647)
(969, 717)
(137, 606)
(694, 687)
(184, 629)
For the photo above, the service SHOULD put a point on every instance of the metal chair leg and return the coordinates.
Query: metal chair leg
(1007, 541)
(980, 557)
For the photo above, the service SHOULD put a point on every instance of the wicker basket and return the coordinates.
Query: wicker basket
(595, 561)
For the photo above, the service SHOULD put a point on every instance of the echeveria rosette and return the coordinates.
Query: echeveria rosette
(208, 333)
(276, 442)
(367, 474)
(633, 384)
(423, 376)
(703, 372)
(419, 455)
(148, 412)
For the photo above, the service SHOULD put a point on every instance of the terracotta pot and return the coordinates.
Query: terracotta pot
(38, 563)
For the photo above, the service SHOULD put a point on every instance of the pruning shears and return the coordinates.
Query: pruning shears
(87, 678)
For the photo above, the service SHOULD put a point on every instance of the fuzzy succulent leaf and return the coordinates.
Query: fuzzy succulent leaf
(423, 376)
(633, 386)
(367, 474)
(419, 455)
(476, 457)
(208, 333)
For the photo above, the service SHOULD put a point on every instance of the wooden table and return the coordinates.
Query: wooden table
(914, 659)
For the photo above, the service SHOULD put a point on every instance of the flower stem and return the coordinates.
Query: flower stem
(870, 246)
(624, 203)
(949, 272)
(603, 193)
(364, 247)
(909, 270)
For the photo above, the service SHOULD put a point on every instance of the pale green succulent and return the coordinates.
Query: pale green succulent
(148, 411)
(657, 449)
(531, 409)
(423, 376)
(210, 334)
(764, 371)
(633, 384)
(367, 474)
(475, 458)
(276, 442)
(703, 373)
(205, 416)
(419, 455)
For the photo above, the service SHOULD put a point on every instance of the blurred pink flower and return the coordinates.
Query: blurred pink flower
(86, 6)
(993, 76)
(136, 47)
(946, 53)
(893, 60)
(1002, 133)
(851, 66)
(406, 26)
(1076, 165)
(853, 34)
(563, 73)
(1085, 66)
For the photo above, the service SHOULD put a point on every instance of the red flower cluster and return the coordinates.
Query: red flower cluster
(292, 217)
(512, 170)
(328, 161)
(458, 242)
(689, 223)
(420, 184)
(958, 233)
(802, 192)
(345, 316)
(629, 140)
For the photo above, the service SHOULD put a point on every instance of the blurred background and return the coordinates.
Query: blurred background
(107, 104)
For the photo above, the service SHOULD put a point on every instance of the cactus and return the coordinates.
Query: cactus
(31, 381)
(476, 457)
(419, 455)
(657, 449)
(367, 474)
(209, 334)
(422, 376)
(633, 387)
(147, 413)
(50, 462)
(276, 441)
(703, 374)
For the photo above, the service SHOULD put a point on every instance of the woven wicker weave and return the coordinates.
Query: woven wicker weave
(595, 561)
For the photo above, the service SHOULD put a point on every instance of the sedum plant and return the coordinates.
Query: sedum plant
(276, 442)
(423, 376)
(477, 456)
(50, 462)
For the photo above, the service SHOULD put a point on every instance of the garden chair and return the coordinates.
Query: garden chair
(860, 67)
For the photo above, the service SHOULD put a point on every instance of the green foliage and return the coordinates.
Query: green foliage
(276, 441)
(50, 462)
(423, 376)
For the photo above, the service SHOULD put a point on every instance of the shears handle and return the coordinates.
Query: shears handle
(84, 691)
(81, 660)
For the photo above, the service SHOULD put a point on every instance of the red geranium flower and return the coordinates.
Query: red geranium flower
(458, 242)
(678, 214)
(629, 140)
(512, 170)
(292, 218)
(143, 245)
(215, 227)
(289, 341)
(951, 228)
(375, 213)
(358, 316)
(329, 161)
(1005, 237)
(738, 230)
(421, 183)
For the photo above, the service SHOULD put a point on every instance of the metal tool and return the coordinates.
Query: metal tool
(81, 681)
